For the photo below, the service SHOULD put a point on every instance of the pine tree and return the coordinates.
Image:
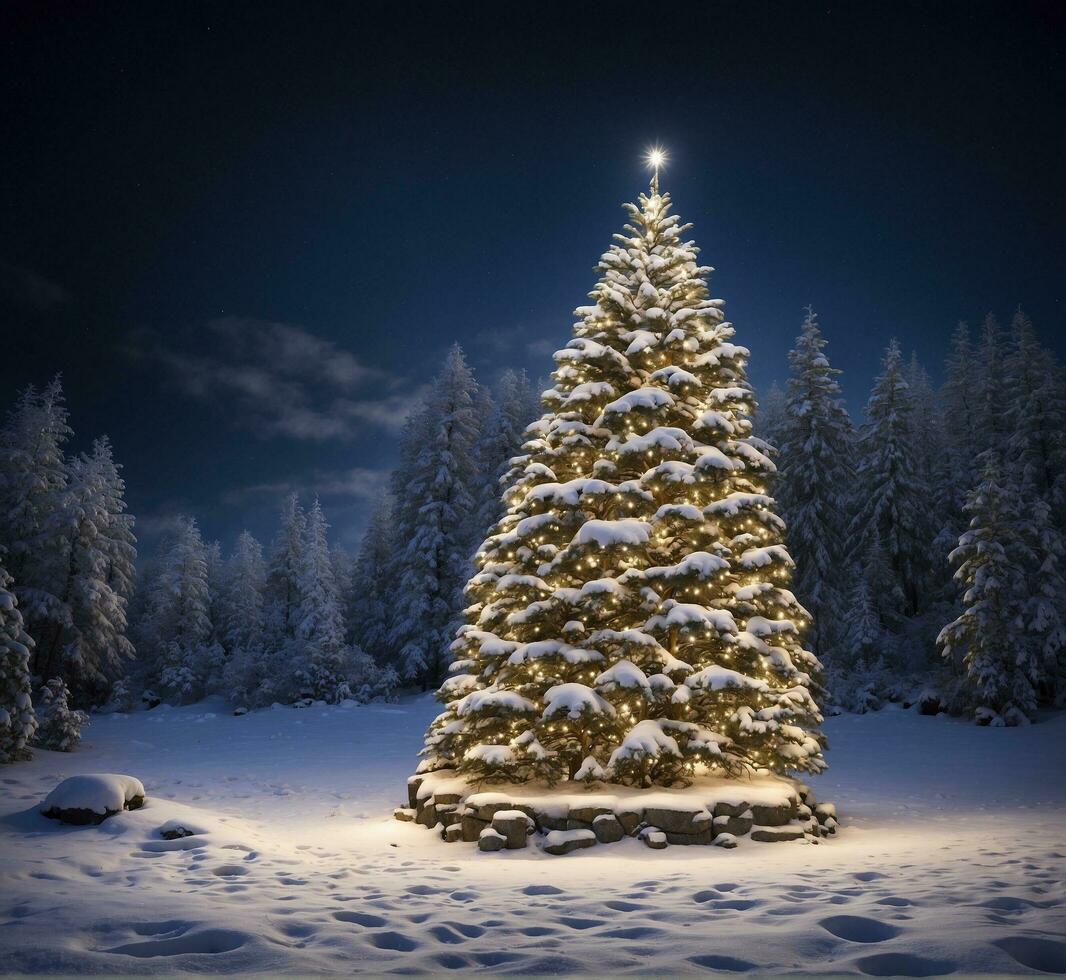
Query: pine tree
(241, 624)
(35, 517)
(989, 420)
(991, 562)
(321, 628)
(959, 398)
(1035, 416)
(241, 621)
(815, 478)
(283, 597)
(630, 612)
(770, 415)
(434, 494)
(512, 410)
(101, 553)
(178, 630)
(18, 722)
(894, 499)
(372, 586)
(59, 725)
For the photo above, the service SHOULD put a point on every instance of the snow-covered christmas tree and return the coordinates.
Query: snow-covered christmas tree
(630, 621)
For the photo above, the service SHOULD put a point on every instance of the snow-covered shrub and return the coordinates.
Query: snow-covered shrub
(17, 719)
(119, 699)
(60, 725)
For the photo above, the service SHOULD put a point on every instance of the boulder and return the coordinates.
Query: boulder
(446, 799)
(630, 820)
(736, 826)
(772, 815)
(472, 826)
(175, 831)
(825, 811)
(453, 833)
(550, 821)
(582, 817)
(703, 837)
(607, 828)
(486, 811)
(678, 821)
(725, 840)
(490, 840)
(653, 838)
(240, 711)
(514, 825)
(404, 814)
(776, 834)
(565, 841)
(412, 791)
(730, 809)
(92, 798)
(427, 815)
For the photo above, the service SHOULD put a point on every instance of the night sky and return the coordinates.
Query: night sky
(247, 233)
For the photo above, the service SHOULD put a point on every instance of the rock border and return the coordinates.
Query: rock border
(563, 828)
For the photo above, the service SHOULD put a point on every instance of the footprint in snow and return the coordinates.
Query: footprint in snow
(396, 941)
(729, 964)
(1045, 955)
(903, 965)
(360, 919)
(856, 929)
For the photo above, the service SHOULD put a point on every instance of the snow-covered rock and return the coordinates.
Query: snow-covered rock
(92, 798)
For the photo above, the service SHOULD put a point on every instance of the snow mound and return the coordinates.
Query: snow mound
(102, 793)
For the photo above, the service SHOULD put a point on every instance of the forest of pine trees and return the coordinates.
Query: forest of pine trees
(928, 540)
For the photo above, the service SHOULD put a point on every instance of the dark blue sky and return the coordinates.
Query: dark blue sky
(246, 234)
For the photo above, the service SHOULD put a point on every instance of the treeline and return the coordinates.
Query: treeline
(303, 621)
(311, 622)
(67, 572)
(929, 539)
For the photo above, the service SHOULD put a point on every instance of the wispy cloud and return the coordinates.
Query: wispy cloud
(357, 483)
(30, 290)
(522, 339)
(281, 380)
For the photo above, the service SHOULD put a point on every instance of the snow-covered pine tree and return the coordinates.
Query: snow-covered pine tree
(434, 493)
(35, 517)
(961, 445)
(178, 629)
(101, 554)
(770, 414)
(321, 629)
(372, 588)
(241, 620)
(514, 407)
(893, 507)
(283, 598)
(990, 424)
(815, 480)
(17, 719)
(1035, 416)
(991, 574)
(630, 614)
(59, 726)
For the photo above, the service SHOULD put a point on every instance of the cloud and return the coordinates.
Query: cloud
(357, 483)
(281, 380)
(518, 341)
(30, 290)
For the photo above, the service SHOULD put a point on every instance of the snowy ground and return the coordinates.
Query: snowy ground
(953, 859)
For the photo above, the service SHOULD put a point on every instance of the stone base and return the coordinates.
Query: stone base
(711, 811)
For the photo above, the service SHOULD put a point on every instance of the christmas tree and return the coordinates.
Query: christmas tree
(630, 619)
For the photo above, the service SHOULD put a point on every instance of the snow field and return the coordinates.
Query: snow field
(951, 859)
